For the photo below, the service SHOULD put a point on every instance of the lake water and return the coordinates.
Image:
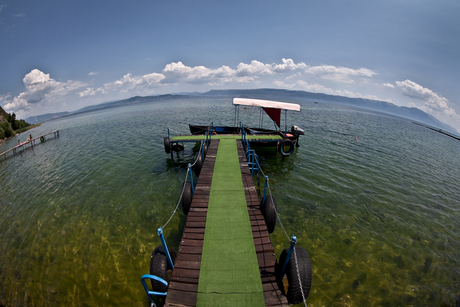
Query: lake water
(378, 214)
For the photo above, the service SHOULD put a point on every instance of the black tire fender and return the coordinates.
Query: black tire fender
(159, 266)
(187, 196)
(198, 164)
(294, 292)
(282, 147)
(167, 145)
(269, 212)
(205, 149)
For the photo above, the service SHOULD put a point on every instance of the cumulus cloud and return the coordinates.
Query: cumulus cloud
(177, 72)
(91, 92)
(93, 73)
(255, 68)
(318, 88)
(433, 103)
(288, 65)
(136, 84)
(338, 74)
(40, 87)
(388, 85)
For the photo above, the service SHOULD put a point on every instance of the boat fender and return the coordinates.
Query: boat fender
(205, 149)
(198, 164)
(159, 266)
(294, 291)
(167, 145)
(286, 144)
(187, 196)
(269, 212)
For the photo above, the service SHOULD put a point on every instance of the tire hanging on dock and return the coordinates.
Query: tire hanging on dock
(294, 292)
(286, 144)
(159, 266)
(187, 196)
(269, 212)
(167, 145)
(198, 164)
(205, 149)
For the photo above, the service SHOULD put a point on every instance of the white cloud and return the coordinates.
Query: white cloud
(338, 74)
(434, 103)
(318, 88)
(288, 65)
(40, 87)
(136, 84)
(91, 92)
(256, 68)
(388, 85)
(93, 73)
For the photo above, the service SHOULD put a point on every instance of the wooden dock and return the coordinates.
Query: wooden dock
(30, 143)
(184, 283)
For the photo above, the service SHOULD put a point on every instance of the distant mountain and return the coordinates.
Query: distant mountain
(368, 104)
(41, 118)
(271, 94)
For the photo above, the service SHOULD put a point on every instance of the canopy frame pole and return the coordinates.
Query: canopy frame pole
(285, 123)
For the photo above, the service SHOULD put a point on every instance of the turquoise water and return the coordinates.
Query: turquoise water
(378, 215)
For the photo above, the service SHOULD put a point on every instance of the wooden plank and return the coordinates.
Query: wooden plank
(180, 286)
(194, 243)
(191, 265)
(180, 298)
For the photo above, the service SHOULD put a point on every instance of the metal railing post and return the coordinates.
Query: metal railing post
(191, 177)
(291, 249)
(265, 189)
(165, 247)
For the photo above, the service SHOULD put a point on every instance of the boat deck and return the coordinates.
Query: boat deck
(251, 138)
(209, 267)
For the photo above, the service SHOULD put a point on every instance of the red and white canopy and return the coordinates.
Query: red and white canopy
(272, 108)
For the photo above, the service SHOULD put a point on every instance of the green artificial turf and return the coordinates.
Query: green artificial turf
(229, 273)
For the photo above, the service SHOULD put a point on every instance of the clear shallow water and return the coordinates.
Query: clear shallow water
(378, 215)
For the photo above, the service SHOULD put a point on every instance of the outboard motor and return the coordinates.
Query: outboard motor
(297, 130)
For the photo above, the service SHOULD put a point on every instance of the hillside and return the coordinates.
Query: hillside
(3, 115)
(300, 97)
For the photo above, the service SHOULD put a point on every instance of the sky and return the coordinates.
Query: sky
(64, 55)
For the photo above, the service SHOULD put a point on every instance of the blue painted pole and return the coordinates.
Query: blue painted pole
(165, 247)
(265, 189)
(191, 177)
(291, 249)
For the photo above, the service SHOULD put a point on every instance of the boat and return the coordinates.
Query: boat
(272, 109)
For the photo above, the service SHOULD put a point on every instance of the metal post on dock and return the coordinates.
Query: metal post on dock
(291, 248)
(165, 247)
(191, 178)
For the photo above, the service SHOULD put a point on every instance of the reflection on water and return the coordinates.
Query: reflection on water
(78, 214)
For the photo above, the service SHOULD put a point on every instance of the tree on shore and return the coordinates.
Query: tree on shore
(9, 124)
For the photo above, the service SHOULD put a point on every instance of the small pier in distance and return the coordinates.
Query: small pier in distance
(225, 256)
(30, 143)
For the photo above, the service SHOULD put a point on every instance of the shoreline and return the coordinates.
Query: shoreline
(3, 141)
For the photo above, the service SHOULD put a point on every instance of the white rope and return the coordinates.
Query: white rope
(198, 155)
(277, 215)
(180, 199)
(285, 233)
(183, 188)
(300, 281)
